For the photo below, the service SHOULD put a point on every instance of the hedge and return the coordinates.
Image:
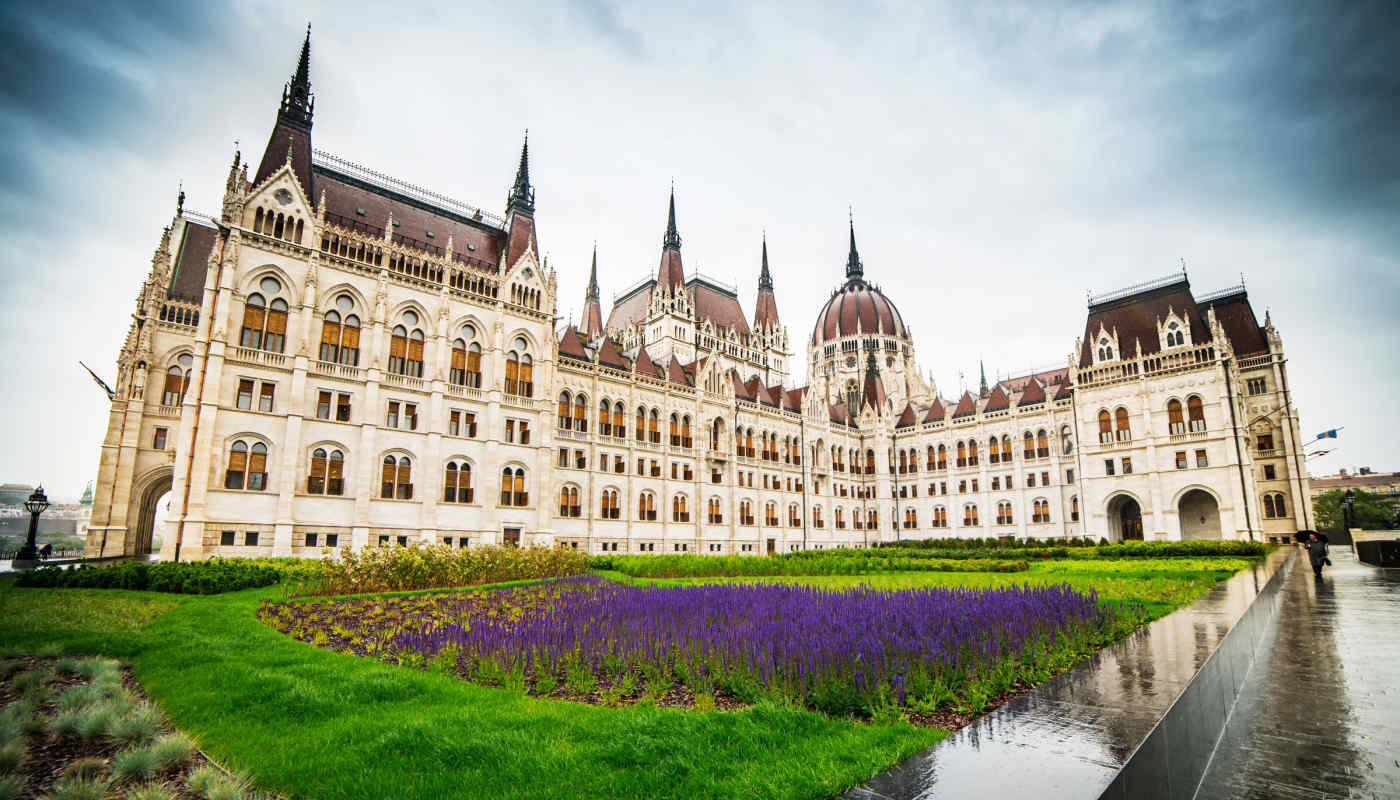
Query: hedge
(813, 563)
(214, 576)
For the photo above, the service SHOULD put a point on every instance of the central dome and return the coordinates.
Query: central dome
(858, 307)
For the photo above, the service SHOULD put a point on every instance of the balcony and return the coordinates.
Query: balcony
(335, 370)
(248, 355)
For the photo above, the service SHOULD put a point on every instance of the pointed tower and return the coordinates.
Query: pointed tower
(592, 312)
(521, 236)
(291, 136)
(982, 386)
(671, 275)
(855, 271)
(765, 311)
(873, 391)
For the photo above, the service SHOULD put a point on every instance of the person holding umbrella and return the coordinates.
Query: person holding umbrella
(1316, 545)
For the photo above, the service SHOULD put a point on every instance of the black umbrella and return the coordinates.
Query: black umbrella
(1302, 536)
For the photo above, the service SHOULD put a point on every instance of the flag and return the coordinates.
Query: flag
(110, 394)
(1332, 434)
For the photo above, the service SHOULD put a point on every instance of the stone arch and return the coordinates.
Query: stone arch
(254, 276)
(146, 493)
(363, 307)
(1198, 513)
(1125, 512)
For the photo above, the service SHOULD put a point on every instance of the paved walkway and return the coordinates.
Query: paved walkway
(1319, 713)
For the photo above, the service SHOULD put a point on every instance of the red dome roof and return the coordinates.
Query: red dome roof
(858, 301)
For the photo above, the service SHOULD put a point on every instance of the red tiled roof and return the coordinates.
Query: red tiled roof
(997, 401)
(1236, 317)
(840, 414)
(719, 306)
(741, 390)
(630, 309)
(276, 155)
(670, 273)
(858, 301)
(571, 345)
(873, 392)
(906, 419)
(765, 309)
(793, 398)
(522, 237)
(1048, 377)
(675, 373)
(935, 411)
(346, 197)
(1034, 393)
(1135, 319)
(192, 262)
(610, 356)
(644, 365)
(1064, 391)
(592, 319)
(966, 406)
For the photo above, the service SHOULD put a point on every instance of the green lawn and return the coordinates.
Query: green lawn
(312, 723)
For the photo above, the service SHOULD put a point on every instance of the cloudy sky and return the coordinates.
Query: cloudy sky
(1001, 159)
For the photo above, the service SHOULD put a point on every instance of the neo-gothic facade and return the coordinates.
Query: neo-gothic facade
(338, 358)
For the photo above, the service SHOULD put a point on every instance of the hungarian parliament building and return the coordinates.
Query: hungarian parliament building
(340, 358)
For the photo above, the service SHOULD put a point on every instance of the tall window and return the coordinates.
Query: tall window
(869, 462)
(962, 454)
(970, 515)
(566, 405)
(457, 482)
(641, 423)
(604, 418)
(396, 479)
(770, 514)
(654, 427)
(816, 517)
(619, 427)
(680, 509)
(1004, 516)
(608, 505)
(1273, 506)
(265, 321)
(1120, 425)
(1028, 446)
(465, 369)
(177, 380)
(1105, 427)
(581, 414)
(340, 333)
(1042, 444)
(513, 487)
(327, 472)
(406, 347)
(942, 457)
(520, 378)
(940, 517)
(247, 466)
(1074, 509)
(795, 517)
(1195, 413)
(568, 502)
(1006, 449)
(972, 454)
(745, 512)
(713, 514)
(646, 507)
(1175, 423)
(1040, 511)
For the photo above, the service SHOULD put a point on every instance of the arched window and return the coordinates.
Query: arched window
(396, 480)
(604, 418)
(609, 508)
(680, 509)
(247, 466)
(913, 460)
(568, 502)
(903, 462)
(619, 428)
(654, 426)
(972, 453)
(940, 517)
(1105, 427)
(465, 368)
(1004, 516)
(993, 451)
(770, 514)
(870, 461)
(1120, 424)
(565, 404)
(942, 457)
(970, 515)
(748, 443)
(1074, 509)
(1066, 440)
(264, 321)
(1028, 445)
(685, 431)
(675, 429)
(177, 380)
(1105, 349)
(1005, 449)
(641, 423)
(457, 482)
(646, 507)
(931, 460)
(513, 487)
(872, 519)
(526, 382)
(713, 513)
(581, 414)
(1175, 337)
(746, 512)
(340, 333)
(1040, 511)
(962, 454)
(406, 347)
(1042, 444)
(817, 517)
(326, 475)
(1175, 422)
(1195, 413)
(1274, 507)
(795, 517)
(911, 518)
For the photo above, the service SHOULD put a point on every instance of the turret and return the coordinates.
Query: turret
(671, 275)
(291, 136)
(592, 312)
(521, 236)
(765, 312)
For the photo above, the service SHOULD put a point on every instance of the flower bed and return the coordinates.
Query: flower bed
(863, 651)
(812, 562)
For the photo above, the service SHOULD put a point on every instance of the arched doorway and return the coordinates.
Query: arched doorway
(1125, 518)
(151, 511)
(1199, 515)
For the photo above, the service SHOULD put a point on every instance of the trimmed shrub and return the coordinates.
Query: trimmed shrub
(388, 569)
(184, 577)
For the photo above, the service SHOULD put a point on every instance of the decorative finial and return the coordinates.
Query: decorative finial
(673, 237)
(180, 198)
(522, 194)
(854, 269)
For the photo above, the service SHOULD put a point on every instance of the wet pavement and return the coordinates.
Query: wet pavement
(1319, 714)
(1069, 737)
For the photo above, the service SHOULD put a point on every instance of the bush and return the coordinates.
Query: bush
(184, 577)
(1181, 549)
(387, 569)
(818, 562)
(987, 543)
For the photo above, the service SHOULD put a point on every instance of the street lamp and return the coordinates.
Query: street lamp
(1348, 500)
(28, 556)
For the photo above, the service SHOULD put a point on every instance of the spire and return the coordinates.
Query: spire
(982, 390)
(522, 195)
(873, 391)
(854, 269)
(592, 312)
(673, 237)
(765, 312)
(297, 101)
(765, 280)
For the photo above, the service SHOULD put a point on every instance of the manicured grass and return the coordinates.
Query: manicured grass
(312, 723)
(89, 610)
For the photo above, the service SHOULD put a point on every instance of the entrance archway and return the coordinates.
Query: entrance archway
(1199, 515)
(153, 495)
(1125, 518)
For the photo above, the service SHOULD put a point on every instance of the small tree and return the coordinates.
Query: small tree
(1368, 511)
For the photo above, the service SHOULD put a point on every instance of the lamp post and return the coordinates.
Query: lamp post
(28, 556)
(1347, 500)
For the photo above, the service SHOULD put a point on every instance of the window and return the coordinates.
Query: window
(342, 407)
(1256, 385)
(1181, 459)
(457, 482)
(1105, 427)
(244, 399)
(565, 417)
(1040, 511)
(1069, 476)
(406, 347)
(940, 517)
(323, 405)
(745, 512)
(817, 517)
(461, 423)
(604, 419)
(795, 517)
(942, 457)
(1273, 506)
(1105, 349)
(520, 370)
(1196, 414)
(972, 454)
(1265, 442)
(580, 460)
(177, 380)
(264, 322)
(247, 466)
(1120, 424)
(1030, 479)
(391, 417)
(518, 430)
(1175, 337)
(250, 538)
(970, 515)
(1201, 460)
(619, 429)
(1270, 473)
(265, 396)
(653, 428)
(1074, 509)
(641, 423)
(1108, 466)
(159, 442)
(911, 518)
(713, 513)
(327, 472)
(1004, 516)
(680, 508)
(513, 487)
(568, 502)
(1006, 449)
(340, 334)
(1042, 444)
(608, 507)
(1066, 440)
(465, 369)
(396, 480)
(1045, 479)
(226, 538)
(962, 454)
(770, 514)
(332, 539)
(1028, 445)
(1175, 423)
(646, 507)
(1127, 466)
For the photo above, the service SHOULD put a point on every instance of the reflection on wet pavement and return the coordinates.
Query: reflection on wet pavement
(1068, 737)
(1319, 714)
